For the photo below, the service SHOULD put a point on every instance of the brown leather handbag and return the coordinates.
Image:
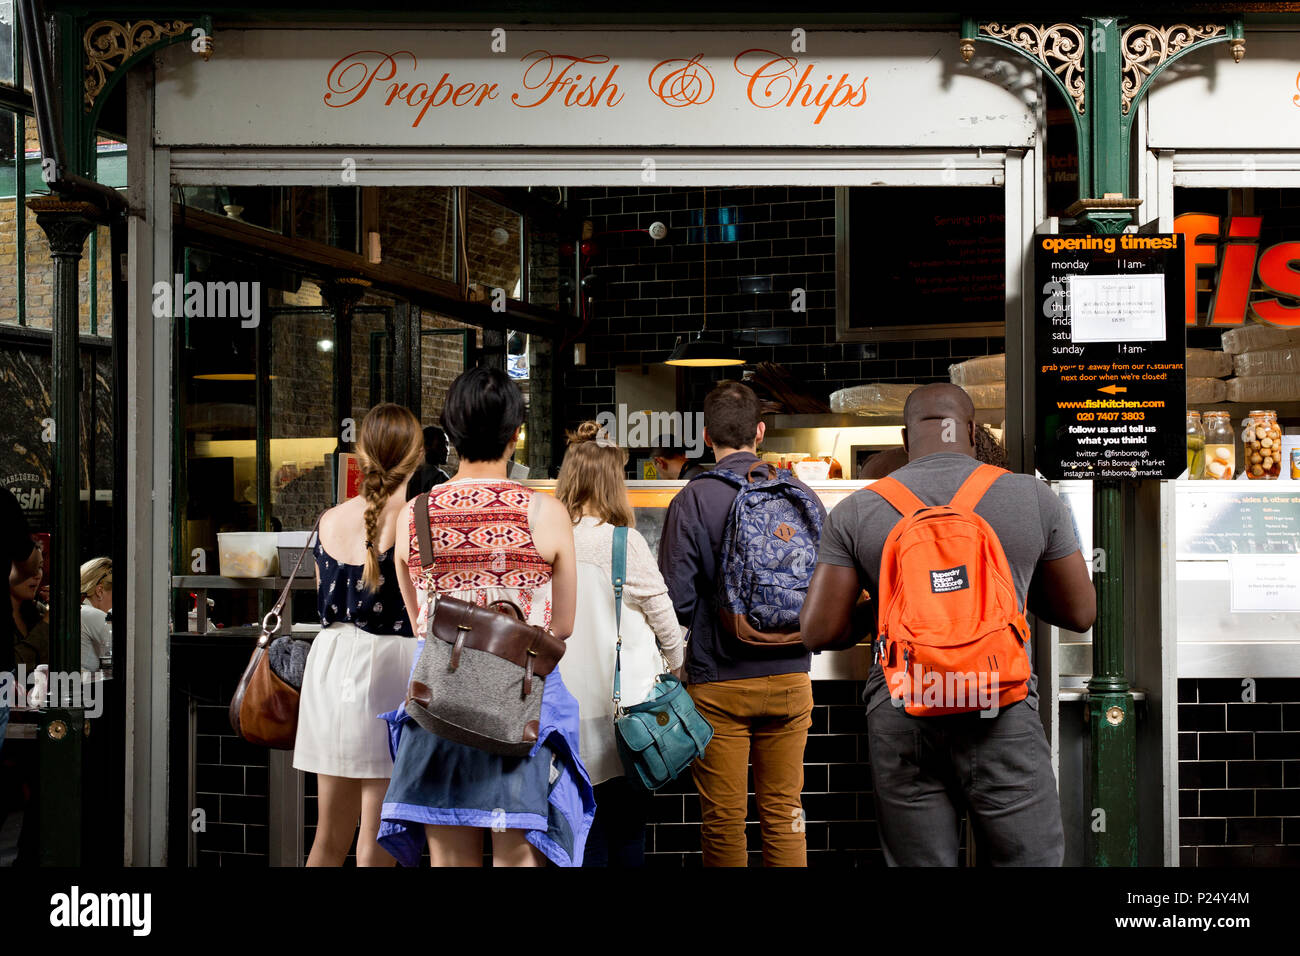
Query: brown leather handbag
(264, 709)
(482, 673)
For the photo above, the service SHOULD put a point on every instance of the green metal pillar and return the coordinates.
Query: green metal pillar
(1111, 720)
(62, 722)
(1103, 119)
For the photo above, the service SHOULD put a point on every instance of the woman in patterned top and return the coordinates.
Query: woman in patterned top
(359, 662)
(492, 539)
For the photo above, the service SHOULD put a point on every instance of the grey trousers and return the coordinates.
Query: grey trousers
(928, 771)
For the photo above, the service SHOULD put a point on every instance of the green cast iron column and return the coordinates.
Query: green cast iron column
(1112, 724)
(62, 721)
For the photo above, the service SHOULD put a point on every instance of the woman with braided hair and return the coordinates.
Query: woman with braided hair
(360, 660)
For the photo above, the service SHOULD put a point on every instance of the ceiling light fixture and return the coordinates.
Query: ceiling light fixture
(699, 352)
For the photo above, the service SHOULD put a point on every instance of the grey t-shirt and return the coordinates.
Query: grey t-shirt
(1031, 522)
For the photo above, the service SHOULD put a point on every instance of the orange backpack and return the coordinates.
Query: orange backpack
(952, 635)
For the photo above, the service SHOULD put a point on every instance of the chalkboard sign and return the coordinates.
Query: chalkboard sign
(1217, 522)
(920, 262)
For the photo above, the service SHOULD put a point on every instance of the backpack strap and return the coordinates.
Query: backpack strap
(903, 500)
(974, 487)
(721, 474)
(423, 533)
(617, 577)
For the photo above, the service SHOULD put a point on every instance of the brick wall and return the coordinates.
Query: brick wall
(302, 406)
(1239, 773)
(39, 274)
(649, 293)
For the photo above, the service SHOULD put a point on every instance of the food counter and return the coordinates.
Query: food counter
(650, 500)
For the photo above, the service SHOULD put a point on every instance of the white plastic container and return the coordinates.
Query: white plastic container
(812, 470)
(247, 554)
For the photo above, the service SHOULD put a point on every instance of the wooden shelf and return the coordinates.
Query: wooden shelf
(214, 582)
(984, 416)
(1239, 410)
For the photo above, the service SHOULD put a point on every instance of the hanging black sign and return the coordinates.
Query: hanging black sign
(1110, 348)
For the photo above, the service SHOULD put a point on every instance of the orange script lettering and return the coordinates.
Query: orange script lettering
(350, 79)
(552, 72)
(776, 80)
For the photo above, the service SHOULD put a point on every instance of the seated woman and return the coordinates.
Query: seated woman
(31, 617)
(493, 539)
(96, 602)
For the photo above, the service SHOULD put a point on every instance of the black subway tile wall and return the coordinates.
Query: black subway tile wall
(230, 775)
(231, 779)
(838, 803)
(1239, 772)
(763, 244)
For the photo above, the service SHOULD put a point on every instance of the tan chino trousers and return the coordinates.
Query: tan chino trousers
(763, 721)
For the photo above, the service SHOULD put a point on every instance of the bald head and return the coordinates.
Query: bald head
(938, 418)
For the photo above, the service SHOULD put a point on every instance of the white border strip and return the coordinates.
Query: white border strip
(324, 167)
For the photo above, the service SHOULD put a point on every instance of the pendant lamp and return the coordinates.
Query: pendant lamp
(699, 352)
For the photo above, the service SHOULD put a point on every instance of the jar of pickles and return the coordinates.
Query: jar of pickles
(1195, 446)
(1262, 445)
(1220, 446)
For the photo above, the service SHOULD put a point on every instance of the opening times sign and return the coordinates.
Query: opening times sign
(1110, 353)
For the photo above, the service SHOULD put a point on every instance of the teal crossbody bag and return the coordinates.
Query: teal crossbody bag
(659, 737)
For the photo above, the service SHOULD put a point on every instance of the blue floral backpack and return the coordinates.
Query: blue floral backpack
(769, 551)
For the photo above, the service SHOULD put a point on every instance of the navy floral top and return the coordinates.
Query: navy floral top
(342, 596)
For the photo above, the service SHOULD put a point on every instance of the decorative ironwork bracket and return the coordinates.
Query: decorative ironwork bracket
(111, 48)
(1102, 71)
(1057, 49)
(1147, 50)
(1060, 51)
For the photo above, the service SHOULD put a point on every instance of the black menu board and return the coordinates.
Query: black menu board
(923, 256)
(1110, 348)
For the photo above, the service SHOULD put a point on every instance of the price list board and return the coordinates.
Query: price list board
(1110, 348)
(1220, 523)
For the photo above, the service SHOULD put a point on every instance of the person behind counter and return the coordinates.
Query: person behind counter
(759, 703)
(987, 449)
(493, 540)
(672, 463)
(16, 545)
(31, 618)
(96, 603)
(431, 473)
(591, 486)
(360, 661)
(924, 768)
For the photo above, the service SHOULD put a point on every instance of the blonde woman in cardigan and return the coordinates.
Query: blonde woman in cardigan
(591, 487)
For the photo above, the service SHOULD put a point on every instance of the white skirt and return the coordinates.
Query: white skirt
(351, 678)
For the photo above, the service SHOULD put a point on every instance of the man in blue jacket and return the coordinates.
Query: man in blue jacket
(760, 707)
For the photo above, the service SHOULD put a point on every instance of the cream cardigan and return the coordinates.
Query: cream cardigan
(649, 628)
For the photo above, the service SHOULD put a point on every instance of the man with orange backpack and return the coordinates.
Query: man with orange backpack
(947, 549)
